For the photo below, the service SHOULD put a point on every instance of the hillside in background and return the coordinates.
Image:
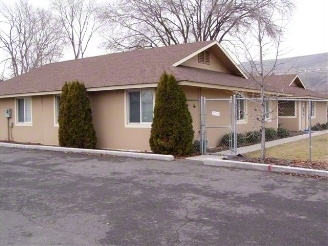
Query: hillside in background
(312, 69)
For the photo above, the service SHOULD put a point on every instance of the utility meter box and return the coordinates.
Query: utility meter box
(8, 113)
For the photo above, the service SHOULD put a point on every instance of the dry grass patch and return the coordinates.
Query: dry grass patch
(298, 150)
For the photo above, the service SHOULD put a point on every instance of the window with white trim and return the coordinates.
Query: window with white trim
(241, 108)
(267, 109)
(24, 110)
(57, 105)
(312, 109)
(140, 106)
(286, 108)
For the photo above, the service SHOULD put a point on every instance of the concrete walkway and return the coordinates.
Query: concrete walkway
(250, 148)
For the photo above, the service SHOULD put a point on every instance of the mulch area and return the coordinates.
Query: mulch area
(318, 165)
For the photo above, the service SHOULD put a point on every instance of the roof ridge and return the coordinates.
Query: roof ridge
(135, 50)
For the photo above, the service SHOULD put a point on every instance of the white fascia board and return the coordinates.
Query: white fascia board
(194, 54)
(300, 81)
(123, 87)
(229, 88)
(32, 94)
(106, 88)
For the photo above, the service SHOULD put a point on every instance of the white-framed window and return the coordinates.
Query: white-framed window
(140, 107)
(312, 109)
(267, 109)
(286, 109)
(240, 108)
(56, 109)
(24, 110)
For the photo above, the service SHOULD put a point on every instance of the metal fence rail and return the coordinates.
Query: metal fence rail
(232, 125)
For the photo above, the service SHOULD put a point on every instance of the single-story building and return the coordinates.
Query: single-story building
(121, 88)
(294, 110)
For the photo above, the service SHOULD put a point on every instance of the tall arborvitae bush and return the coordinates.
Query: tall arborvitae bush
(172, 131)
(75, 117)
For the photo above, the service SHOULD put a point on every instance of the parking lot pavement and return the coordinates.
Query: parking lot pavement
(49, 198)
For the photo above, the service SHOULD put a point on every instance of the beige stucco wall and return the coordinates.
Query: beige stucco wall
(108, 109)
(109, 116)
(300, 121)
(42, 130)
(293, 123)
(218, 114)
(320, 115)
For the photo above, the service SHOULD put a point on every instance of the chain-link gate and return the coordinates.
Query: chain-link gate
(217, 125)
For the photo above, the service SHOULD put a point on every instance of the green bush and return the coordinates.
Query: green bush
(241, 139)
(316, 127)
(320, 127)
(172, 131)
(75, 117)
(225, 140)
(197, 146)
(253, 137)
(282, 133)
(270, 134)
(324, 126)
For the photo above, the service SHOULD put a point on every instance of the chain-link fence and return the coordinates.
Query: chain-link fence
(294, 128)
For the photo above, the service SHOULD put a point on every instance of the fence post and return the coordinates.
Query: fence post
(234, 127)
(309, 129)
(202, 126)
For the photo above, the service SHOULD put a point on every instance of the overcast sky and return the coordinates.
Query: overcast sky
(307, 31)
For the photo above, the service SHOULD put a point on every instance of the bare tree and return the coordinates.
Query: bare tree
(256, 44)
(29, 37)
(80, 22)
(133, 24)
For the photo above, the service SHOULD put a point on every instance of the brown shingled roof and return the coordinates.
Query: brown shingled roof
(125, 68)
(282, 84)
(137, 67)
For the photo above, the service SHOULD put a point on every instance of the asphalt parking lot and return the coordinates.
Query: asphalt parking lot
(50, 198)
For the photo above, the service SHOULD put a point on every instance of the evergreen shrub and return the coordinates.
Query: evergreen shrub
(282, 133)
(172, 131)
(270, 134)
(75, 117)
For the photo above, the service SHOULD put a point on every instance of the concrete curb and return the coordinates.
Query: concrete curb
(92, 151)
(264, 167)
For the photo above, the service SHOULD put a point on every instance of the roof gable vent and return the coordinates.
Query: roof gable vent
(204, 57)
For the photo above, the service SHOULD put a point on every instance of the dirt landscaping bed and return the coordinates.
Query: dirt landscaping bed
(318, 165)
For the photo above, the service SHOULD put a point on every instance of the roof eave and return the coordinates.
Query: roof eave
(229, 88)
